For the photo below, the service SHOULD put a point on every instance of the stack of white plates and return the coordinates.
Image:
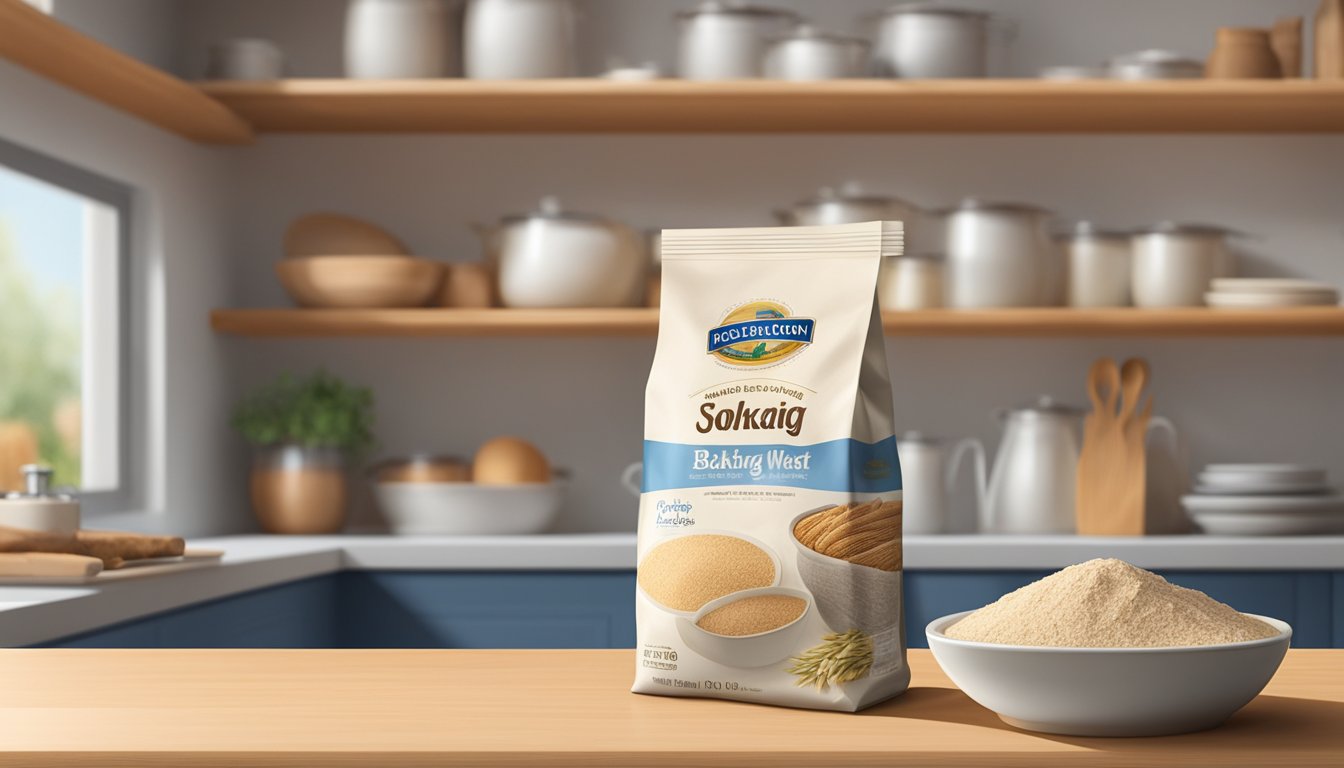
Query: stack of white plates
(1264, 500)
(1267, 293)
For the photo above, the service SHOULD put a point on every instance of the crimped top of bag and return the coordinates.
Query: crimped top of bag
(839, 241)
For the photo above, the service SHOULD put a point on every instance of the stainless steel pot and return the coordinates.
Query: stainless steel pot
(848, 205)
(1000, 255)
(806, 54)
(520, 39)
(1174, 264)
(925, 40)
(555, 258)
(1098, 265)
(725, 41)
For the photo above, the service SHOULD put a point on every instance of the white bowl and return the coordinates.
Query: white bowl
(468, 509)
(1267, 473)
(774, 559)
(745, 651)
(1266, 515)
(1227, 300)
(1110, 691)
(848, 595)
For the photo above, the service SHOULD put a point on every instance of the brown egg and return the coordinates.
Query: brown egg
(510, 461)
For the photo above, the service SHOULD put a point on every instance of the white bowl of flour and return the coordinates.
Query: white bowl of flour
(1106, 649)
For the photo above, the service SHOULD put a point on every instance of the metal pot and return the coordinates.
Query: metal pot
(1174, 264)
(298, 489)
(1098, 266)
(520, 39)
(806, 54)
(1154, 64)
(924, 40)
(400, 39)
(1000, 255)
(725, 41)
(554, 258)
(848, 205)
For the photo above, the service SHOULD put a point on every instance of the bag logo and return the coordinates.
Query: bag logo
(758, 333)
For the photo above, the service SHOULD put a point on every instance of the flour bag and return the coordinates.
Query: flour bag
(770, 519)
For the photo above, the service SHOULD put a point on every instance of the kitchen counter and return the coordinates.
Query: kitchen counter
(566, 708)
(30, 615)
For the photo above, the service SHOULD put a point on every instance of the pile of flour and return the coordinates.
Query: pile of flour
(1108, 604)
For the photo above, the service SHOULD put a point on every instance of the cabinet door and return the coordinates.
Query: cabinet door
(393, 609)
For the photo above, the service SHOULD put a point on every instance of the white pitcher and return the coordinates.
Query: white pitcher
(927, 477)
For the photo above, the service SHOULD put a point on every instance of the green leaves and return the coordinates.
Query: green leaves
(318, 412)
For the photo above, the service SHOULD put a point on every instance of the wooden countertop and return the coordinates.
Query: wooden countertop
(569, 708)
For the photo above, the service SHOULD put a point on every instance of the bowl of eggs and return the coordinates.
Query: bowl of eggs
(508, 488)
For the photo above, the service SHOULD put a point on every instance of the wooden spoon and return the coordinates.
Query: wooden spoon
(1100, 465)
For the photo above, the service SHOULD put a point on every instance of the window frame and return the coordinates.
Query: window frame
(120, 197)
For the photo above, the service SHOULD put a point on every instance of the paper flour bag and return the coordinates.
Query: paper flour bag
(770, 519)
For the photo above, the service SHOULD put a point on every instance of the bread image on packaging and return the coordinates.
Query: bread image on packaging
(770, 520)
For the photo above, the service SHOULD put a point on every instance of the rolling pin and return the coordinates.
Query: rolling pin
(48, 564)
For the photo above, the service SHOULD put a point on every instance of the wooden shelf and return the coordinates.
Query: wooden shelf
(34, 40)
(1056, 322)
(762, 106)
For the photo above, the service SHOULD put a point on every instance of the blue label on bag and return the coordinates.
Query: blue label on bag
(844, 465)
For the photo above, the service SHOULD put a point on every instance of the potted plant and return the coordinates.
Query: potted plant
(305, 433)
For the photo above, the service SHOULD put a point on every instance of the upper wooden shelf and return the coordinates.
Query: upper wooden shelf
(1318, 321)
(764, 106)
(34, 40)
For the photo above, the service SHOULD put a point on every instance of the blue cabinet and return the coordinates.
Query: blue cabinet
(419, 609)
(486, 610)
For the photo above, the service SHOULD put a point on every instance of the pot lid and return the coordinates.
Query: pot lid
(1154, 56)
(1086, 230)
(935, 9)
(1045, 405)
(849, 192)
(976, 204)
(809, 32)
(549, 209)
(1176, 228)
(715, 7)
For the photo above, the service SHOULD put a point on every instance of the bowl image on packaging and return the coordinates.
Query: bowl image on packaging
(1110, 691)
(746, 651)
(669, 579)
(848, 596)
(468, 509)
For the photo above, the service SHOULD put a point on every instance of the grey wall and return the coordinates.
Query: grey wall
(1235, 399)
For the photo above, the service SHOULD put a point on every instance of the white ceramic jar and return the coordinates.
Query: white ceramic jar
(999, 255)
(1098, 266)
(392, 39)
(910, 282)
(806, 54)
(1174, 264)
(520, 39)
(553, 258)
(725, 41)
(927, 41)
(38, 507)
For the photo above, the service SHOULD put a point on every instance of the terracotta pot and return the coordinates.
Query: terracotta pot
(1243, 53)
(299, 490)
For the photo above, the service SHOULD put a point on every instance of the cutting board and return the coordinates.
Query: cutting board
(1111, 468)
(50, 569)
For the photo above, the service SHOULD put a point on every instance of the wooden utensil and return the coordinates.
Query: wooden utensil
(1100, 465)
(1286, 38)
(49, 564)
(1128, 517)
(1329, 34)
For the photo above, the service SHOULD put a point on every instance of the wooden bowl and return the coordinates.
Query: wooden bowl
(335, 234)
(360, 282)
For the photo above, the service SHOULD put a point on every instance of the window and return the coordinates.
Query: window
(63, 238)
